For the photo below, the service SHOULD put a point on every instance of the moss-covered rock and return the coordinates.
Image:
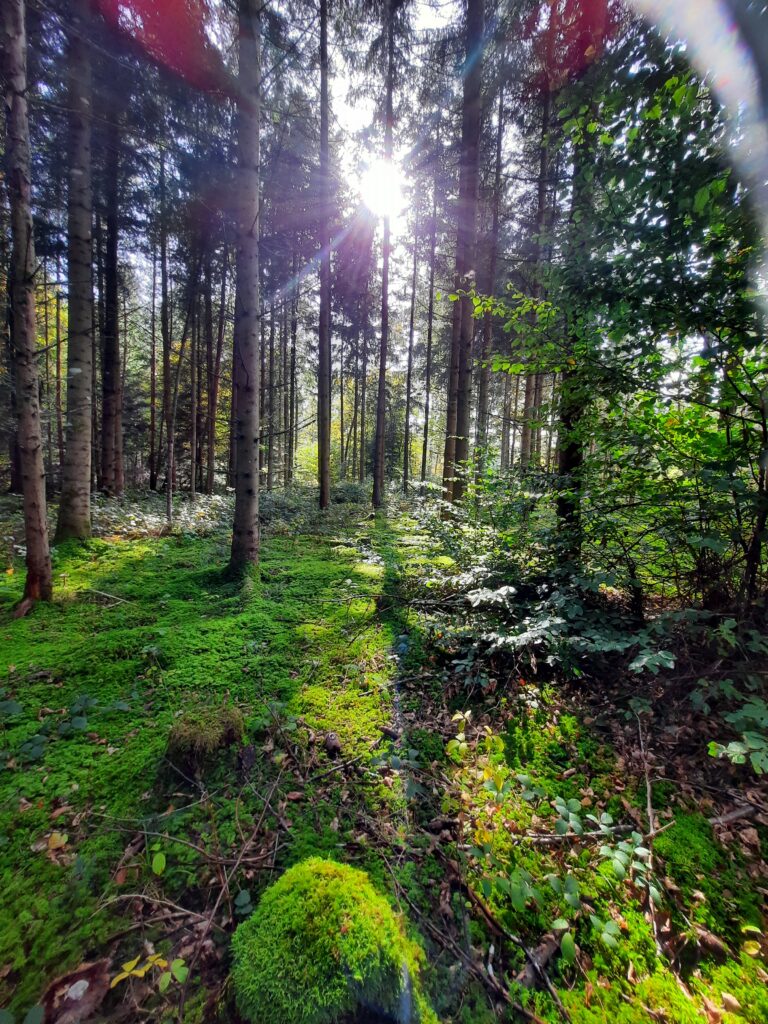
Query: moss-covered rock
(323, 947)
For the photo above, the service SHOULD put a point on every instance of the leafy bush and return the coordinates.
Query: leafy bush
(321, 945)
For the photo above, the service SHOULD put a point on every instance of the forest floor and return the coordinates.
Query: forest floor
(173, 740)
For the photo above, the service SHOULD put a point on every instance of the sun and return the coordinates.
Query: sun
(381, 188)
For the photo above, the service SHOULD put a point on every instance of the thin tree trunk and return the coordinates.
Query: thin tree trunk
(287, 437)
(111, 437)
(13, 40)
(481, 442)
(59, 409)
(409, 373)
(245, 532)
(213, 397)
(153, 380)
(381, 393)
(324, 339)
(363, 398)
(355, 399)
(165, 333)
(430, 325)
(271, 402)
(193, 402)
(293, 397)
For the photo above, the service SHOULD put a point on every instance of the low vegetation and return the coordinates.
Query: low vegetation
(438, 801)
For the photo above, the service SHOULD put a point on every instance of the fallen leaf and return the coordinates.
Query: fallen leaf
(56, 840)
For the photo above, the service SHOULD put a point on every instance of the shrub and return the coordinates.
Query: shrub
(323, 945)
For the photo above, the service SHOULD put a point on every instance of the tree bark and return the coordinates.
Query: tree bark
(13, 42)
(111, 412)
(75, 506)
(430, 324)
(153, 380)
(324, 339)
(381, 392)
(481, 435)
(459, 397)
(409, 374)
(245, 532)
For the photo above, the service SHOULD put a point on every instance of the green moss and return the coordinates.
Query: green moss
(702, 867)
(201, 730)
(322, 943)
(746, 981)
(657, 997)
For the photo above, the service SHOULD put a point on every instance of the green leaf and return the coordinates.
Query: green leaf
(180, 970)
(158, 863)
(701, 199)
(165, 981)
(35, 1015)
(560, 925)
(568, 948)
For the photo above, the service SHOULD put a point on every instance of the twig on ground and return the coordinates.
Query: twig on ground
(651, 831)
(494, 986)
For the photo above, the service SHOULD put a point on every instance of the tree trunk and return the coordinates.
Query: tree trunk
(193, 402)
(153, 380)
(481, 435)
(286, 428)
(381, 393)
(409, 374)
(213, 395)
(271, 402)
(324, 338)
(75, 506)
(363, 398)
(459, 396)
(292, 431)
(59, 410)
(165, 333)
(430, 325)
(13, 43)
(245, 532)
(111, 432)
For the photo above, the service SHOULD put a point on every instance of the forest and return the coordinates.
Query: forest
(384, 511)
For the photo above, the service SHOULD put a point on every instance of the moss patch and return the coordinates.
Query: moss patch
(321, 944)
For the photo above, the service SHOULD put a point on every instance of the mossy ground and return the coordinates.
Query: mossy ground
(313, 643)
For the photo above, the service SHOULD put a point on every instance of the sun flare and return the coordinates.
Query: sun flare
(381, 188)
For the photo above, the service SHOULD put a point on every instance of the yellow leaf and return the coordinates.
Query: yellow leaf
(56, 840)
(118, 978)
(131, 964)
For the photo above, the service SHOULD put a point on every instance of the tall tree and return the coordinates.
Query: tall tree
(381, 391)
(38, 584)
(245, 533)
(324, 326)
(460, 375)
(74, 518)
(112, 480)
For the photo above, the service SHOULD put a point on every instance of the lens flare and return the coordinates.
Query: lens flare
(381, 189)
